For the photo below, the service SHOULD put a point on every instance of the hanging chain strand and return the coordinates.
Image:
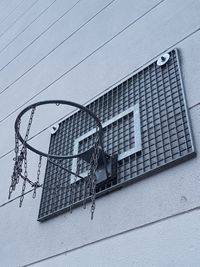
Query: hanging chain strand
(37, 183)
(25, 178)
(86, 186)
(92, 174)
(29, 124)
(23, 157)
(16, 157)
(73, 187)
(15, 174)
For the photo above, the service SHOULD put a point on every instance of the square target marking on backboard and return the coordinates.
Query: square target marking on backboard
(146, 125)
(133, 137)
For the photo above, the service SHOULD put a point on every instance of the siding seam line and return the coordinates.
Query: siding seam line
(61, 76)
(77, 64)
(197, 208)
(11, 12)
(43, 32)
(54, 49)
(29, 8)
(27, 26)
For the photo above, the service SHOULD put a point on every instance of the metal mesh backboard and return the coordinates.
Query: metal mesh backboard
(145, 124)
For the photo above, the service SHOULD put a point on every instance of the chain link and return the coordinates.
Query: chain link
(37, 183)
(29, 124)
(15, 174)
(23, 155)
(20, 157)
(25, 178)
(92, 174)
(73, 187)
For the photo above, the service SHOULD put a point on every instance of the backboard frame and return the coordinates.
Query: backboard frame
(162, 166)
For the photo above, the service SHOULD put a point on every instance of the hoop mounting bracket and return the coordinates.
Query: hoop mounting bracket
(103, 173)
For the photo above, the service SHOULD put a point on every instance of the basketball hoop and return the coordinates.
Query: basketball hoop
(95, 155)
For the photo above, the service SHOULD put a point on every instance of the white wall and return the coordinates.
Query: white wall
(96, 52)
(145, 246)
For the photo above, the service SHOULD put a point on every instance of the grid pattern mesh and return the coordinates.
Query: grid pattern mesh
(118, 137)
(165, 134)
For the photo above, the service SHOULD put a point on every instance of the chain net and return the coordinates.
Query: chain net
(20, 170)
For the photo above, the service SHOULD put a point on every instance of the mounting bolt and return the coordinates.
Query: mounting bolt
(54, 128)
(163, 59)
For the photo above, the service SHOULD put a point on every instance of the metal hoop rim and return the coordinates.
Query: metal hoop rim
(63, 102)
